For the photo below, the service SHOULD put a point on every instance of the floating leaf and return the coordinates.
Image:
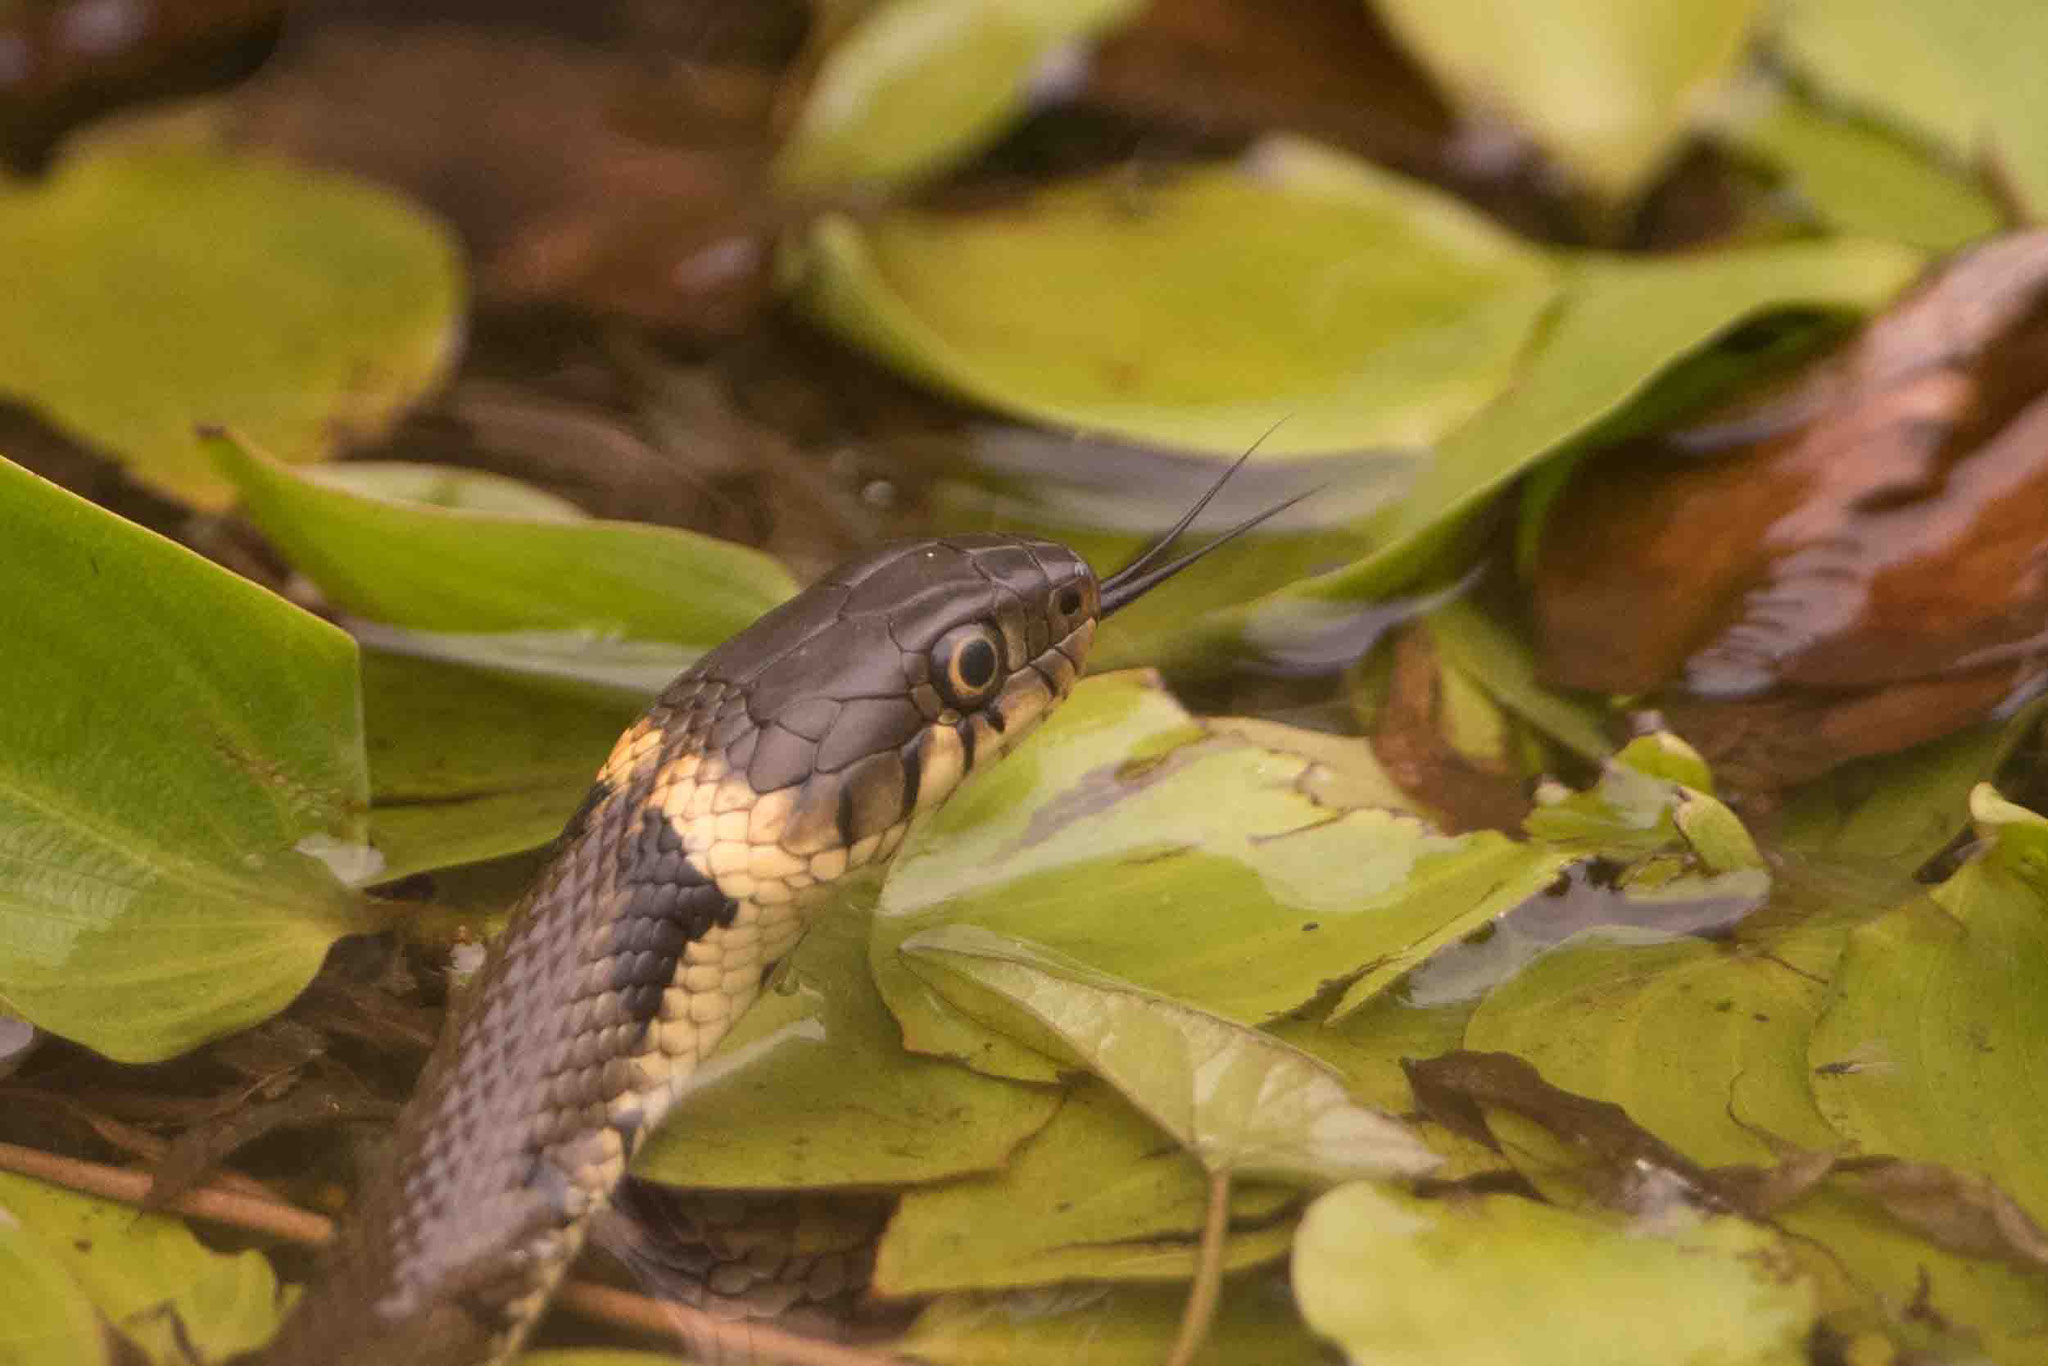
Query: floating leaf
(1394, 1279)
(813, 1088)
(1097, 1194)
(179, 749)
(1102, 1325)
(1966, 74)
(145, 1274)
(1576, 376)
(1239, 1100)
(1187, 860)
(1929, 1044)
(1295, 284)
(300, 307)
(916, 84)
(1505, 666)
(1607, 86)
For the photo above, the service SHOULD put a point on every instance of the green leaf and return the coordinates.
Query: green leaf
(1239, 1100)
(1606, 86)
(1102, 1325)
(1098, 1194)
(1577, 375)
(179, 751)
(1097, 837)
(145, 1274)
(470, 764)
(1503, 664)
(1395, 1280)
(45, 1319)
(461, 570)
(596, 1356)
(1966, 73)
(1930, 1042)
(915, 85)
(1294, 286)
(1861, 180)
(813, 1088)
(150, 290)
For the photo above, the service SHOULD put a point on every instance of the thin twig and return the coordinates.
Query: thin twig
(1208, 1286)
(695, 1329)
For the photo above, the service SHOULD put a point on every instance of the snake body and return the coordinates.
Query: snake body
(794, 754)
(788, 757)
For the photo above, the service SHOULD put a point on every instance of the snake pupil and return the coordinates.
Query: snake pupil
(975, 665)
(1069, 601)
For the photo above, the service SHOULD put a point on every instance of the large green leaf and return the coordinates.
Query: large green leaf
(1606, 86)
(1098, 1194)
(1622, 323)
(1966, 73)
(1240, 1100)
(1931, 1041)
(813, 1088)
(1294, 286)
(179, 751)
(1397, 1281)
(1198, 862)
(144, 1274)
(469, 764)
(448, 569)
(916, 84)
(149, 290)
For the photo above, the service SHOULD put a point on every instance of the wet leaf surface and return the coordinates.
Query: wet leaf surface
(302, 309)
(1605, 86)
(1386, 313)
(143, 1274)
(165, 828)
(1392, 1278)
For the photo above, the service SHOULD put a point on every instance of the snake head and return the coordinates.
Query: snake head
(816, 735)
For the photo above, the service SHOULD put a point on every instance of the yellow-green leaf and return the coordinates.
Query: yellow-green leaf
(1294, 286)
(150, 290)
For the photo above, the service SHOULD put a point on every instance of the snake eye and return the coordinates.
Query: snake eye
(965, 662)
(1068, 603)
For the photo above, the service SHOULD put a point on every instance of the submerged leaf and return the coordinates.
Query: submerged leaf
(1383, 312)
(1397, 1280)
(151, 290)
(1241, 1101)
(180, 751)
